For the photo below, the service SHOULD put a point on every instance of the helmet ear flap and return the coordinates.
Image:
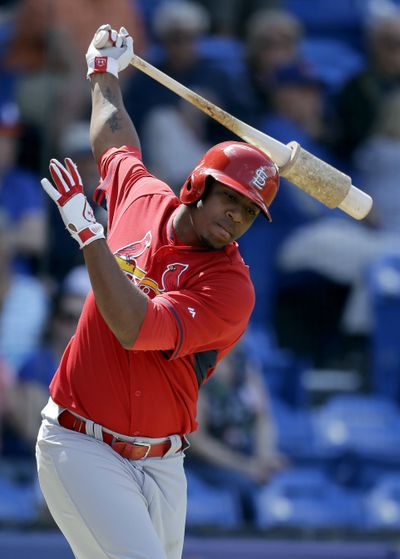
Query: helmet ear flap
(193, 188)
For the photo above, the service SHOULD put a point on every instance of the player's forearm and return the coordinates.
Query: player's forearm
(216, 452)
(265, 435)
(110, 124)
(121, 304)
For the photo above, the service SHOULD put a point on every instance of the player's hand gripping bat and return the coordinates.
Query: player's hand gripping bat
(319, 179)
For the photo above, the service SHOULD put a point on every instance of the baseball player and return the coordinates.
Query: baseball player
(170, 297)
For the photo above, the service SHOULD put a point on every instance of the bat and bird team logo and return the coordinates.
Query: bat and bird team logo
(260, 178)
(127, 260)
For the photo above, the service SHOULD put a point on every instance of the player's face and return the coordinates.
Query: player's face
(222, 215)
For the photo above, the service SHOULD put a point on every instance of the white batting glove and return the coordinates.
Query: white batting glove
(74, 208)
(110, 51)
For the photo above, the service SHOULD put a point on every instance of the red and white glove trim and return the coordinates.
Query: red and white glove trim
(73, 206)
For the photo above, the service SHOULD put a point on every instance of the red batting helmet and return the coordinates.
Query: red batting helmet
(242, 167)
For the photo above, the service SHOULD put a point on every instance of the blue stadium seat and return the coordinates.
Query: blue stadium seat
(225, 52)
(330, 18)
(384, 289)
(365, 424)
(333, 61)
(294, 429)
(382, 504)
(283, 371)
(210, 506)
(297, 441)
(305, 498)
(17, 502)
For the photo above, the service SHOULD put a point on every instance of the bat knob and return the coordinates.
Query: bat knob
(357, 203)
(102, 39)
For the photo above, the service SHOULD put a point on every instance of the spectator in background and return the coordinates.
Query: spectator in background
(228, 16)
(273, 38)
(6, 378)
(341, 249)
(294, 110)
(359, 101)
(169, 130)
(7, 10)
(298, 112)
(377, 167)
(75, 143)
(178, 25)
(27, 396)
(235, 445)
(47, 54)
(23, 307)
(21, 198)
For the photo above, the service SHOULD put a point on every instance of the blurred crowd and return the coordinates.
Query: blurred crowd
(323, 73)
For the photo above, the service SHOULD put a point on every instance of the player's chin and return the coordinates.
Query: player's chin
(219, 237)
(217, 242)
(213, 243)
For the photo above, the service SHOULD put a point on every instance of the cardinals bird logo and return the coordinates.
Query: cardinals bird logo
(127, 259)
(171, 276)
(169, 279)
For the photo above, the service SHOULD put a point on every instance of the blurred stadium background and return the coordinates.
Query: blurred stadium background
(324, 339)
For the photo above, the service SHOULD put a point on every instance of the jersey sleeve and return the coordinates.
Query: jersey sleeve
(212, 317)
(124, 178)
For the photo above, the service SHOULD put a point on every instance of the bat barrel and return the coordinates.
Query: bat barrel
(319, 179)
(325, 183)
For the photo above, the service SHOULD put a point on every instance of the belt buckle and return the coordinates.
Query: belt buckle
(138, 443)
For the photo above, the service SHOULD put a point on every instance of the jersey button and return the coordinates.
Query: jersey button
(138, 393)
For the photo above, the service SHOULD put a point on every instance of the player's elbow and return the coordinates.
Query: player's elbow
(126, 339)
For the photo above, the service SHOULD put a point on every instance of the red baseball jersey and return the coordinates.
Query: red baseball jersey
(200, 301)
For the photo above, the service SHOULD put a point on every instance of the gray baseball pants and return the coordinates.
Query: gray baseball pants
(108, 506)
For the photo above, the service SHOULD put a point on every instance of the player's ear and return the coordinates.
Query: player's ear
(207, 188)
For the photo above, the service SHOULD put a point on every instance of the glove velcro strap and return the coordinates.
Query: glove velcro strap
(101, 64)
(88, 234)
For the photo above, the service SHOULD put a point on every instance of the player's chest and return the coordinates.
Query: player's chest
(153, 266)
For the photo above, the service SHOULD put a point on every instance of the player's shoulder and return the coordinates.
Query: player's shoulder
(232, 253)
(227, 266)
(116, 155)
(124, 173)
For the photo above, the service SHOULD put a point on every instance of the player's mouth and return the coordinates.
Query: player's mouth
(223, 233)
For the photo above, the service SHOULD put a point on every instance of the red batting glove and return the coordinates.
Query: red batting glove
(74, 208)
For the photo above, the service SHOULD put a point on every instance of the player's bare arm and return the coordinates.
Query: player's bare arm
(110, 124)
(121, 304)
(108, 54)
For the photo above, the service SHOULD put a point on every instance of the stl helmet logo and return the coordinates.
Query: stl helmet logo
(260, 178)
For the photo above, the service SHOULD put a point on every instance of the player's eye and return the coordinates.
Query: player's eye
(230, 196)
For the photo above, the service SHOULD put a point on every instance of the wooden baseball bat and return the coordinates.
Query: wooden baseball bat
(316, 177)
